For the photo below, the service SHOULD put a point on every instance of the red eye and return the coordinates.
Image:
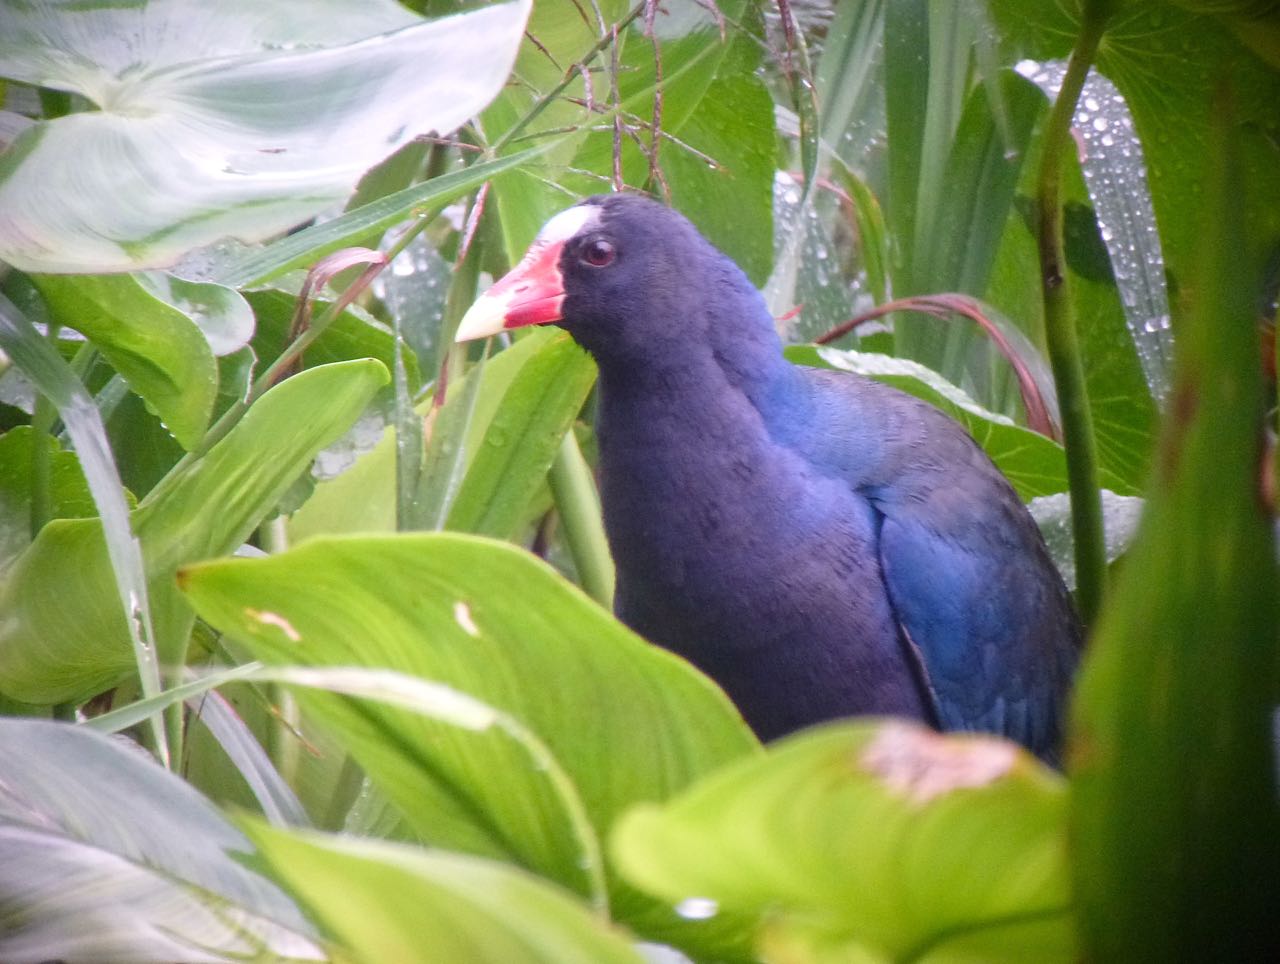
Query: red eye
(598, 253)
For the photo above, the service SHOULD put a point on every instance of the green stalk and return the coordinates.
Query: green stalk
(1060, 325)
(42, 420)
(578, 503)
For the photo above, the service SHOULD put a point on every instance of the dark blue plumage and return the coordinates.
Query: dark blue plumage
(819, 544)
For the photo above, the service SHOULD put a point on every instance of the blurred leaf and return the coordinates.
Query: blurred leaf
(108, 856)
(69, 496)
(870, 841)
(1173, 749)
(846, 83)
(64, 640)
(278, 802)
(390, 902)
(1034, 464)
(156, 346)
(224, 120)
(218, 311)
(490, 621)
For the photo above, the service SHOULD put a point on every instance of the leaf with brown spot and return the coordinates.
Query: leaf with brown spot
(866, 841)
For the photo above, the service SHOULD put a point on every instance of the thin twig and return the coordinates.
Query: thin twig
(546, 99)
(545, 52)
(617, 117)
(655, 132)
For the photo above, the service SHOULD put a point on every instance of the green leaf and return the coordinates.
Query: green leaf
(69, 496)
(303, 247)
(526, 196)
(521, 439)
(731, 203)
(1172, 752)
(980, 177)
(1166, 61)
(1035, 465)
(362, 499)
(1120, 517)
(120, 592)
(108, 856)
(66, 640)
(156, 346)
(1119, 397)
(693, 55)
(248, 125)
(391, 902)
(491, 621)
(878, 840)
(352, 334)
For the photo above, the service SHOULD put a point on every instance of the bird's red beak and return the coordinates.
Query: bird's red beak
(531, 293)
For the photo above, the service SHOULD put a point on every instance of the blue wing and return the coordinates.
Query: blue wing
(981, 607)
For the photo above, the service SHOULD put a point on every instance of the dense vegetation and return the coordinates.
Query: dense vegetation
(257, 516)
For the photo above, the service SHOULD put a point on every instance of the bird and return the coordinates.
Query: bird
(820, 544)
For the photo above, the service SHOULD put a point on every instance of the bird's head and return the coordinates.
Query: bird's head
(616, 271)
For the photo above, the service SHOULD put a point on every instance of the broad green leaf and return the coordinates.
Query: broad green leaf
(65, 639)
(1034, 464)
(872, 841)
(491, 621)
(156, 346)
(222, 120)
(108, 856)
(547, 829)
(1172, 751)
(391, 902)
(521, 439)
(69, 496)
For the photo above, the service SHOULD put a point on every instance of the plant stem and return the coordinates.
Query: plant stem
(576, 499)
(1060, 325)
(42, 420)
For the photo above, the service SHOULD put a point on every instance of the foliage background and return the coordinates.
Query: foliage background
(431, 743)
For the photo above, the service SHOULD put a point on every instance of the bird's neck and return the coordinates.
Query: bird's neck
(726, 350)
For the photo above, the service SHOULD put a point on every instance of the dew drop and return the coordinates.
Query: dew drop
(697, 908)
